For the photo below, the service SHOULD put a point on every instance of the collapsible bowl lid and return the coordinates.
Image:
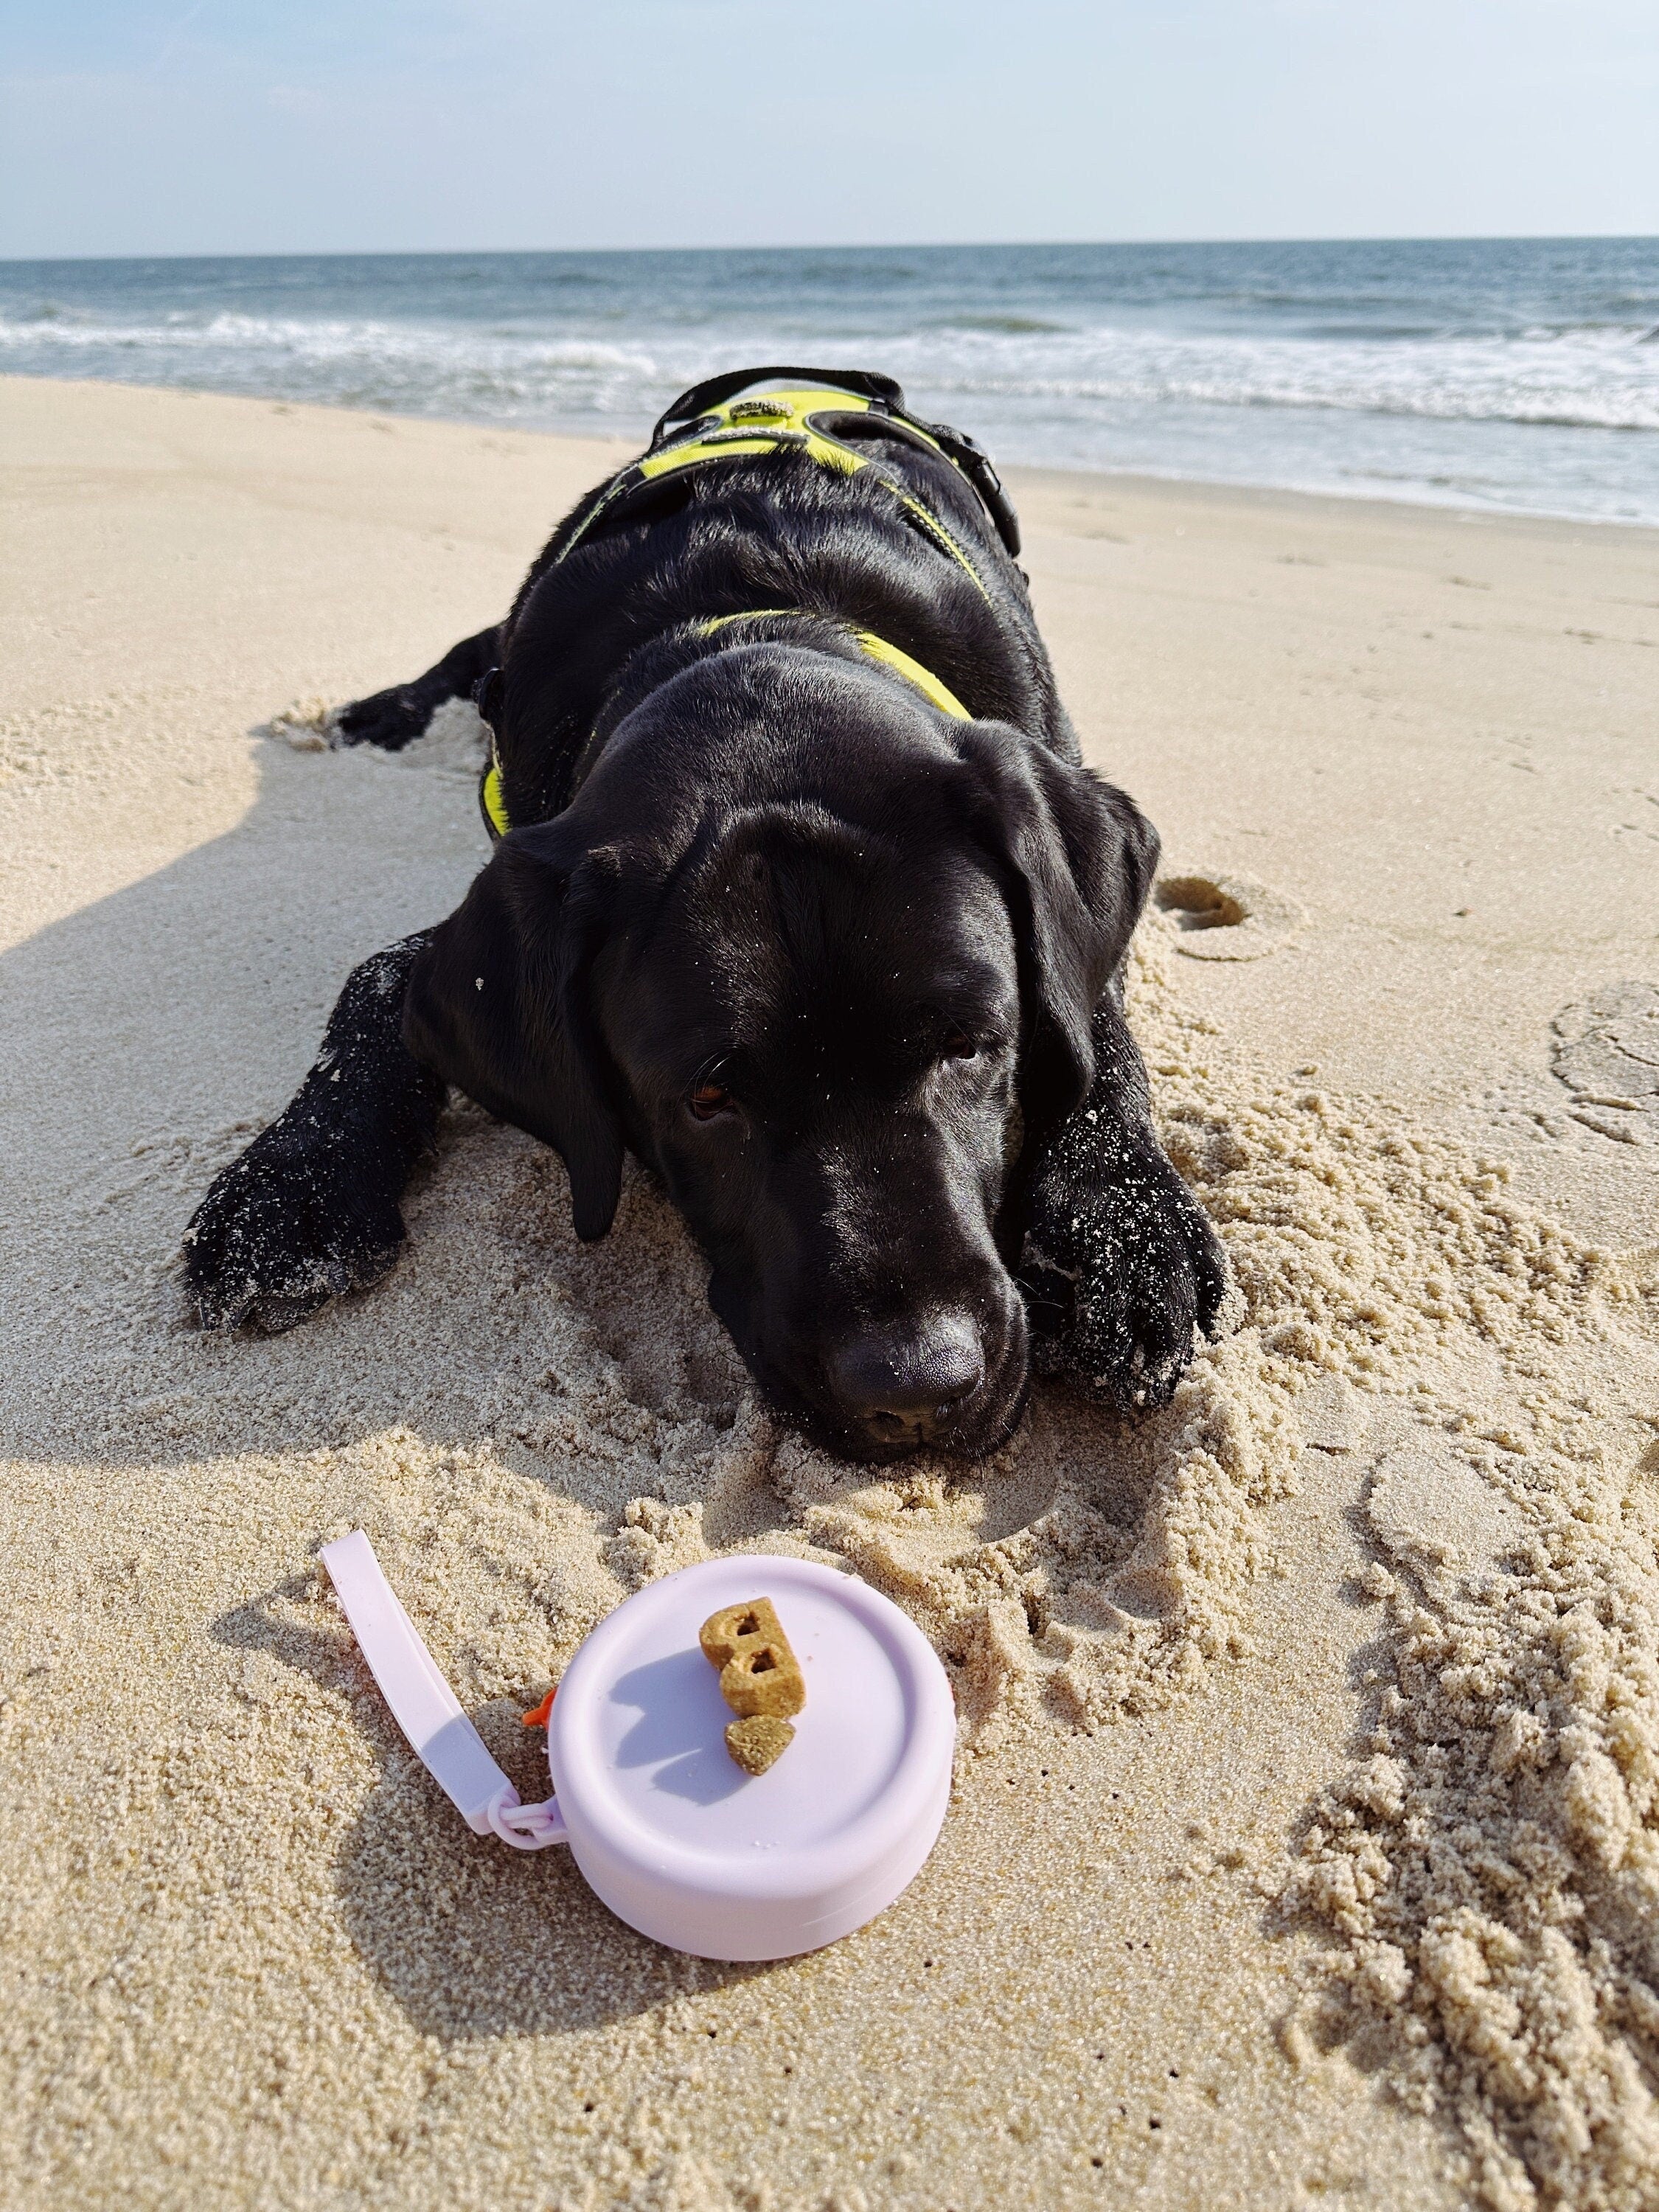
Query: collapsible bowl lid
(668, 1830)
(684, 1845)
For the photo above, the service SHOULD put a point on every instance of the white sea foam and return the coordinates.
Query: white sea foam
(1588, 378)
(1492, 374)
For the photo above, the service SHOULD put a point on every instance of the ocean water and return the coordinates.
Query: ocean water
(1520, 375)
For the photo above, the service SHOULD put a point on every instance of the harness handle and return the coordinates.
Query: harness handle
(867, 383)
(965, 453)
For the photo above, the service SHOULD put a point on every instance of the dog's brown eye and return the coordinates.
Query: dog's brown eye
(960, 1046)
(708, 1100)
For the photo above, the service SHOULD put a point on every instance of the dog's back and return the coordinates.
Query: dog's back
(904, 547)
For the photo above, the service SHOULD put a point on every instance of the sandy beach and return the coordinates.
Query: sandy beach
(1304, 1844)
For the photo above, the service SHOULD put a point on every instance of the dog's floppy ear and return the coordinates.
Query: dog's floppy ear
(499, 1005)
(1077, 857)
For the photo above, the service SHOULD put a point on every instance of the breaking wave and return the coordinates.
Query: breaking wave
(1488, 373)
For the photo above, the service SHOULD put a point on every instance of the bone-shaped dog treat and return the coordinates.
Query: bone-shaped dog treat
(760, 1679)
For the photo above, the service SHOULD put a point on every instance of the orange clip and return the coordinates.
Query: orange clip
(539, 1718)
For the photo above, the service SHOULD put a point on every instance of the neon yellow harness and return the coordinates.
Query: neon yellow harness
(877, 648)
(772, 422)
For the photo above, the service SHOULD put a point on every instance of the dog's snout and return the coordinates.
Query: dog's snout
(903, 1383)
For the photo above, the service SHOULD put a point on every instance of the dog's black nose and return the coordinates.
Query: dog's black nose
(902, 1383)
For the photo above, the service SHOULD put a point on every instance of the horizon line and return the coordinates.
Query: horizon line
(847, 246)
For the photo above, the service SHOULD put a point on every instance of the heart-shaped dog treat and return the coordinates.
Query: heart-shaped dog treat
(760, 1679)
(755, 1744)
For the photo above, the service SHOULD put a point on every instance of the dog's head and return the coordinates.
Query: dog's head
(828, 963)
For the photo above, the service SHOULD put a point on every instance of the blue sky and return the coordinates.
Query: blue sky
(319, 125)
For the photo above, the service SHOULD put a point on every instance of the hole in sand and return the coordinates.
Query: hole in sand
(1194, 902)
(1227, 917)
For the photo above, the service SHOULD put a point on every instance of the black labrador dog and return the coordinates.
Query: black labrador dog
(801, 892)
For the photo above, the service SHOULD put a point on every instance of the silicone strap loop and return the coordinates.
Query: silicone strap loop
(526, 1827)
(427, 1710)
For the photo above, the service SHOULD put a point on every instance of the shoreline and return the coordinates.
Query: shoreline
(1140, 480)
(1264, 495)
(1222, 1913)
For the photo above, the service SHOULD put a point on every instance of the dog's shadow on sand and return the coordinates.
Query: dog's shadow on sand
(155, 1030)
(162, 1026)
(469, 1939)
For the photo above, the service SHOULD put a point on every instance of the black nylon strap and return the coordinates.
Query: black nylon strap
(976, 464)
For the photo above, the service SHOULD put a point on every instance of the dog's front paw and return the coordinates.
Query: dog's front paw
(285, 1228)
(388, 719)
(1120, 1266)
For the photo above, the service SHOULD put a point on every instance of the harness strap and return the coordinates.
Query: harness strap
(494, 805)
(884, 396)
(715, 424)
(712, 423)
(874, 648)
(492, 800)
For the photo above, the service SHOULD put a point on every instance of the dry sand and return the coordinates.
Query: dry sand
(1304, 1843)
